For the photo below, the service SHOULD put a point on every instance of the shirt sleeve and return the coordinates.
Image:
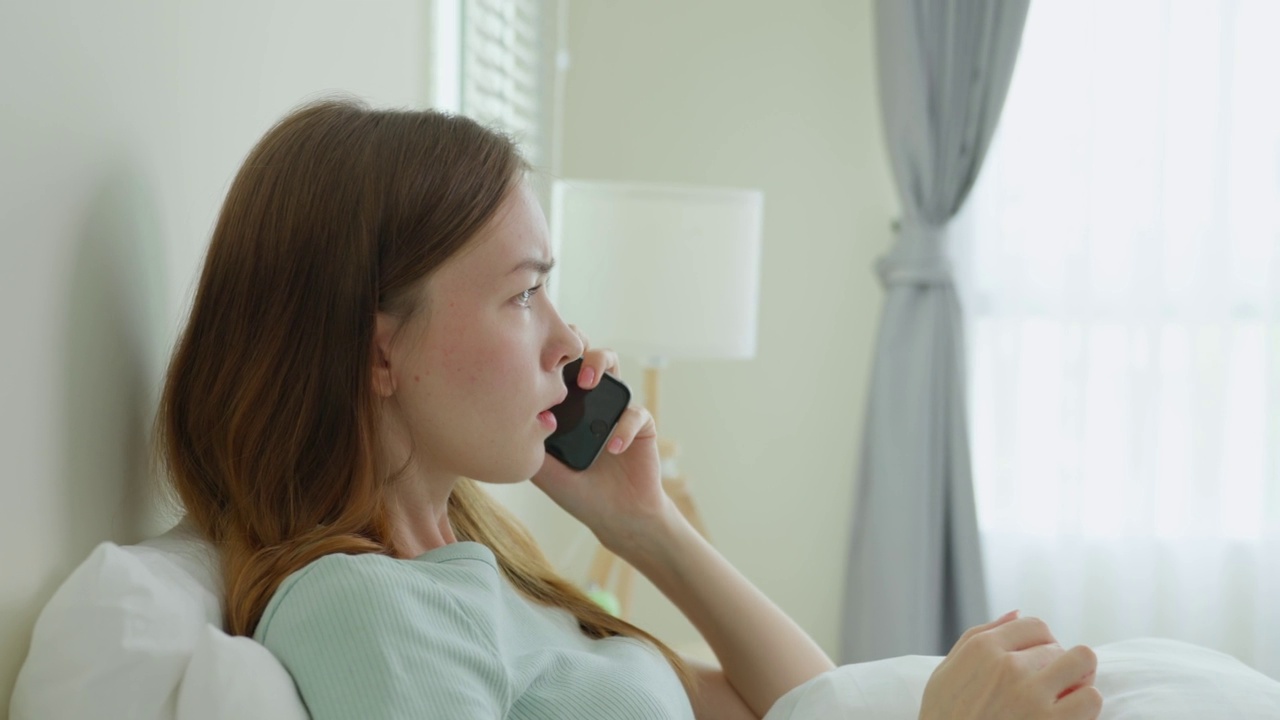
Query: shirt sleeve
(364, 639)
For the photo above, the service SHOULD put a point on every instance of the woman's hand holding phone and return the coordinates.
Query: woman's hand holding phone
(619, 496)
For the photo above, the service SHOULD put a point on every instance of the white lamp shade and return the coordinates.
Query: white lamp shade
(665, 271)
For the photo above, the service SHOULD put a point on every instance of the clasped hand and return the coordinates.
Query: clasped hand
(1013, 669)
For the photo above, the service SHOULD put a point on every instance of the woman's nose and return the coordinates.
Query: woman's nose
(569, 345)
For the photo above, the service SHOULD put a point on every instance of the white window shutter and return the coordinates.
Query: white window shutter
(510, 73)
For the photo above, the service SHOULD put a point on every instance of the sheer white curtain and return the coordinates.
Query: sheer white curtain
(1119, 268)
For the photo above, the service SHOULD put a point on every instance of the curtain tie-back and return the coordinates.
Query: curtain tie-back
(916, 258)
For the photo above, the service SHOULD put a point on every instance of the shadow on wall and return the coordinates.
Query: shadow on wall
(113, 367)
(110, 352)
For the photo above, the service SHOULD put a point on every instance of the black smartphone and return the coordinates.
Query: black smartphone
(585, 418)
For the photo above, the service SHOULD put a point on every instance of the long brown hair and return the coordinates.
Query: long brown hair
(268, 424)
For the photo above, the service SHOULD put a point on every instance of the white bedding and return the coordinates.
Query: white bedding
(1144, 679)
(134, 632)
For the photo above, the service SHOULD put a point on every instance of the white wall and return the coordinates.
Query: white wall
(122, 123)
(779, 96)
(121, 126)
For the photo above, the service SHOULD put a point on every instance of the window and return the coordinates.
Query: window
(510, 69)
(1119, 267)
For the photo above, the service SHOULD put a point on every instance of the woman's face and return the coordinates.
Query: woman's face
(472, 372)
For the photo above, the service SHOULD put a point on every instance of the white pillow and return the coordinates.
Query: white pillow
(1143, 679)
(881, 690)
(235, 677)
(135, 632)
(1153, 678)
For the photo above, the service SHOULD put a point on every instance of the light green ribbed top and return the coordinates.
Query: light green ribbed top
(446, 636)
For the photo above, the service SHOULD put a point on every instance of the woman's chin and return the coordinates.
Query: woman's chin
(516, 469)
(527, 469)
(513, 479)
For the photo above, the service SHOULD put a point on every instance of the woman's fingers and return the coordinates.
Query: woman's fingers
(635, 419)
(1040, 656)
(1007, 617)
(594, 364)
(1012, 667)
(1083, 704)
(1075, 669)
(1024, 633)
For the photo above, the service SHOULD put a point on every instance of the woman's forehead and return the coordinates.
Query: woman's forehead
(515, 239)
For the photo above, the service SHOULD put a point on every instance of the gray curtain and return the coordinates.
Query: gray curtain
(915, 579)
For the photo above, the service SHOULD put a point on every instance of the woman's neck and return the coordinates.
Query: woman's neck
(419, 512)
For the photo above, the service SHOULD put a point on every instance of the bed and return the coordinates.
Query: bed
(135, 632)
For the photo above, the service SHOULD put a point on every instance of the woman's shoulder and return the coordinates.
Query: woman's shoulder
(373, 589)
(449, 565)
(371, 571)
(351, 628)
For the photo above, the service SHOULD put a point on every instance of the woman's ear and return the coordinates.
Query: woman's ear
(384, 380)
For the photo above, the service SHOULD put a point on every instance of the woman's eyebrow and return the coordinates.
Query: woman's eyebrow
(541, 266)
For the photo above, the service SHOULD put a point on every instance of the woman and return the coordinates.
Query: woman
(368, 343)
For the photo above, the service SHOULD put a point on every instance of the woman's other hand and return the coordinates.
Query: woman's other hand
(1013, 669)
(620, 497)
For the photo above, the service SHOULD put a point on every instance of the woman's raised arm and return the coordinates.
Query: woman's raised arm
(762, 651)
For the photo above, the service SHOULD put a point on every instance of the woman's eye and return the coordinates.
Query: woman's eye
(526, 297)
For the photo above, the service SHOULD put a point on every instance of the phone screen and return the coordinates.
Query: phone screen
(586, 418)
